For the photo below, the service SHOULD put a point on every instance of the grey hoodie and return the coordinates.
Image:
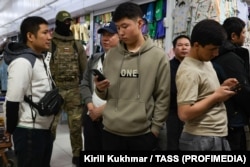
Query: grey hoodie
(26, 78)
(139, 93)
(14, 50)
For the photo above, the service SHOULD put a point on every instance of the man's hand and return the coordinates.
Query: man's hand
(95, 113)
(101, 85)
(230, 82)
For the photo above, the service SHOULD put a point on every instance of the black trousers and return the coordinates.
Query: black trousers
(237, 138)
(174, 130)
(33, 147)
(92, 131)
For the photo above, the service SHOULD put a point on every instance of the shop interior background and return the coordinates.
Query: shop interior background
(86, 14)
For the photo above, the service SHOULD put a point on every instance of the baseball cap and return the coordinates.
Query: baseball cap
(110, 27)
(63, 15)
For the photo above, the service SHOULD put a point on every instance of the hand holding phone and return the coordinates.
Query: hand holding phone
(96, 72)
(236, 88)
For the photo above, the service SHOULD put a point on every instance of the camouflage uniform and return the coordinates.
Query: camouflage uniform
(67, 70)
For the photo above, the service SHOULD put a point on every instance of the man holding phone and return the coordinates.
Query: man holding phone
(92, 118)
(233, 61)
(99, 74)
(137, 106)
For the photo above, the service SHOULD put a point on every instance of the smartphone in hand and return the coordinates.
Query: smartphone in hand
(236, 88)
(96, 72)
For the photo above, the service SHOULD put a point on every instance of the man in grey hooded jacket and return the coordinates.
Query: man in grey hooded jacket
(137, 88)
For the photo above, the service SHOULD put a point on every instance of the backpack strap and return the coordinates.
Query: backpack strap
(29, 101)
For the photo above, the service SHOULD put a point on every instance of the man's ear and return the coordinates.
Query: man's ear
(30, 36)
(233, 36)
(196, 44)
(140, 22)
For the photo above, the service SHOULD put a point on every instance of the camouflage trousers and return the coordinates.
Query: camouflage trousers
(73, 108)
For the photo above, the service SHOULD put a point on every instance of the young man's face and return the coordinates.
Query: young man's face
(239, 40)
(207, 52)
(182, 48)
(41, 41)
(109, 40)
(129, 30)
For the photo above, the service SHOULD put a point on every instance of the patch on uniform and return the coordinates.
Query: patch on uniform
(66, 49)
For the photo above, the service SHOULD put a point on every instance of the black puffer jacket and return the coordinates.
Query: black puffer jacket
(233, 62)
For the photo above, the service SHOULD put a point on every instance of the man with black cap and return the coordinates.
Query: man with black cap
(92, 120)
(67, 65)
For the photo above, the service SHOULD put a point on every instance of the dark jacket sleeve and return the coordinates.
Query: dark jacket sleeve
(236, 67)
(12, 109)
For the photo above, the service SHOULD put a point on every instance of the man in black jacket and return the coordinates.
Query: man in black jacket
(233, 62)
(181, 48)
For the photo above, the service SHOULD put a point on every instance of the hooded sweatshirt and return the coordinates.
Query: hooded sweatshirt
(233, 62)
(139, 93)
(23, 79)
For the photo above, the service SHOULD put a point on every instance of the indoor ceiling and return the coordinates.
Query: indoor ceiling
(12, 12)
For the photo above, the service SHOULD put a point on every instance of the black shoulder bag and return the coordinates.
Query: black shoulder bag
(51, 103)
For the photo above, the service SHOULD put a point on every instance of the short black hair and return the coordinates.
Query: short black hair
(207, 32)
(31, 24)
(127, 10)
(233, 25)
(179, 37)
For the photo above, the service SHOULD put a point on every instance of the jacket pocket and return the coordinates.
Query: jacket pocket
(126, 116)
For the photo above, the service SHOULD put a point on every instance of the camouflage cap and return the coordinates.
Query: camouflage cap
(63, 15)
